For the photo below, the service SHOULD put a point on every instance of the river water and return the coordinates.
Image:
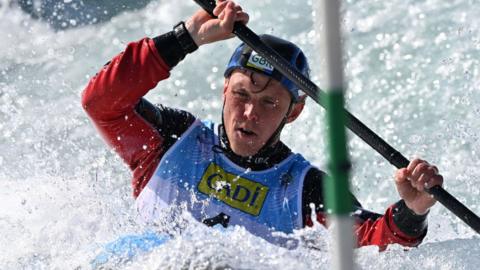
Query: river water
(413, 77)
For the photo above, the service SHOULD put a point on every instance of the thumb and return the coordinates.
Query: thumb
(401, 176)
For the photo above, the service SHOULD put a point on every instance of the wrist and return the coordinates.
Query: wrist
(408, 221)
(184, 38)
(193, 31)
(169, 48)
(416, 210)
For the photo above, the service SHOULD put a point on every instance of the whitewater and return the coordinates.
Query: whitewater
(413, 75)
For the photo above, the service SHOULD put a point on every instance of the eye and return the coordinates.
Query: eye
(270, 102)
(240, 94)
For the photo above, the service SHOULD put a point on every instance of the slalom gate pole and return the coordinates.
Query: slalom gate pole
(356, 126)
(336, 188)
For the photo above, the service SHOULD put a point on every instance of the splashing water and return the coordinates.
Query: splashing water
(413, 76)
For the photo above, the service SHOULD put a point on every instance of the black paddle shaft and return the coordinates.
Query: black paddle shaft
(355, 125)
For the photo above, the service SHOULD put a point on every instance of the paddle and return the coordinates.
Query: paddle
(357, 127)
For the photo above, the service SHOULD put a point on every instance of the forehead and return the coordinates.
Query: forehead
(255, 82)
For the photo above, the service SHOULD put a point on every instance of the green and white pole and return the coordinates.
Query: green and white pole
(336, 188)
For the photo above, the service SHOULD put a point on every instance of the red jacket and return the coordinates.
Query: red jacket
(110, 99)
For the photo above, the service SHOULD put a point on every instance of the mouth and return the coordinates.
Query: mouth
(246, 132)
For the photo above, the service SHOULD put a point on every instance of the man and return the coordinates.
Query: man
(238, 172)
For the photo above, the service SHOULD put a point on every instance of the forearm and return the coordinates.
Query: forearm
(118, 87)
(111, 97)
(398, 225)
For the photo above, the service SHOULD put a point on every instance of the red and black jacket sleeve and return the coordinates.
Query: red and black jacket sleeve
(398, 224)
(141, 133)
(126, 121)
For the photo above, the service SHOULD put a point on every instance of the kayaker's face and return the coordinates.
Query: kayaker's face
(251, 115)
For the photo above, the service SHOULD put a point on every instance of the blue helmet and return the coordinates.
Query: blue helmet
(245, 57)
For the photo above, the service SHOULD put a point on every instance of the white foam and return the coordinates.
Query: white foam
(64, 193)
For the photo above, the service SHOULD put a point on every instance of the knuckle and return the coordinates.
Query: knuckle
(416, 160)
(433, 170)
(422, 167)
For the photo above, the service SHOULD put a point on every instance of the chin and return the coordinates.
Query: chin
(243, 152)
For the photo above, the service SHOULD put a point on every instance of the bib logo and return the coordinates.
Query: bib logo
(240, 193)
(258, 62)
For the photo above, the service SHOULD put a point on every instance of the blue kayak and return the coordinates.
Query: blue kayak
(126, 247)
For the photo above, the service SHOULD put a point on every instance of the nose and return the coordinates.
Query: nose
(250, 111)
